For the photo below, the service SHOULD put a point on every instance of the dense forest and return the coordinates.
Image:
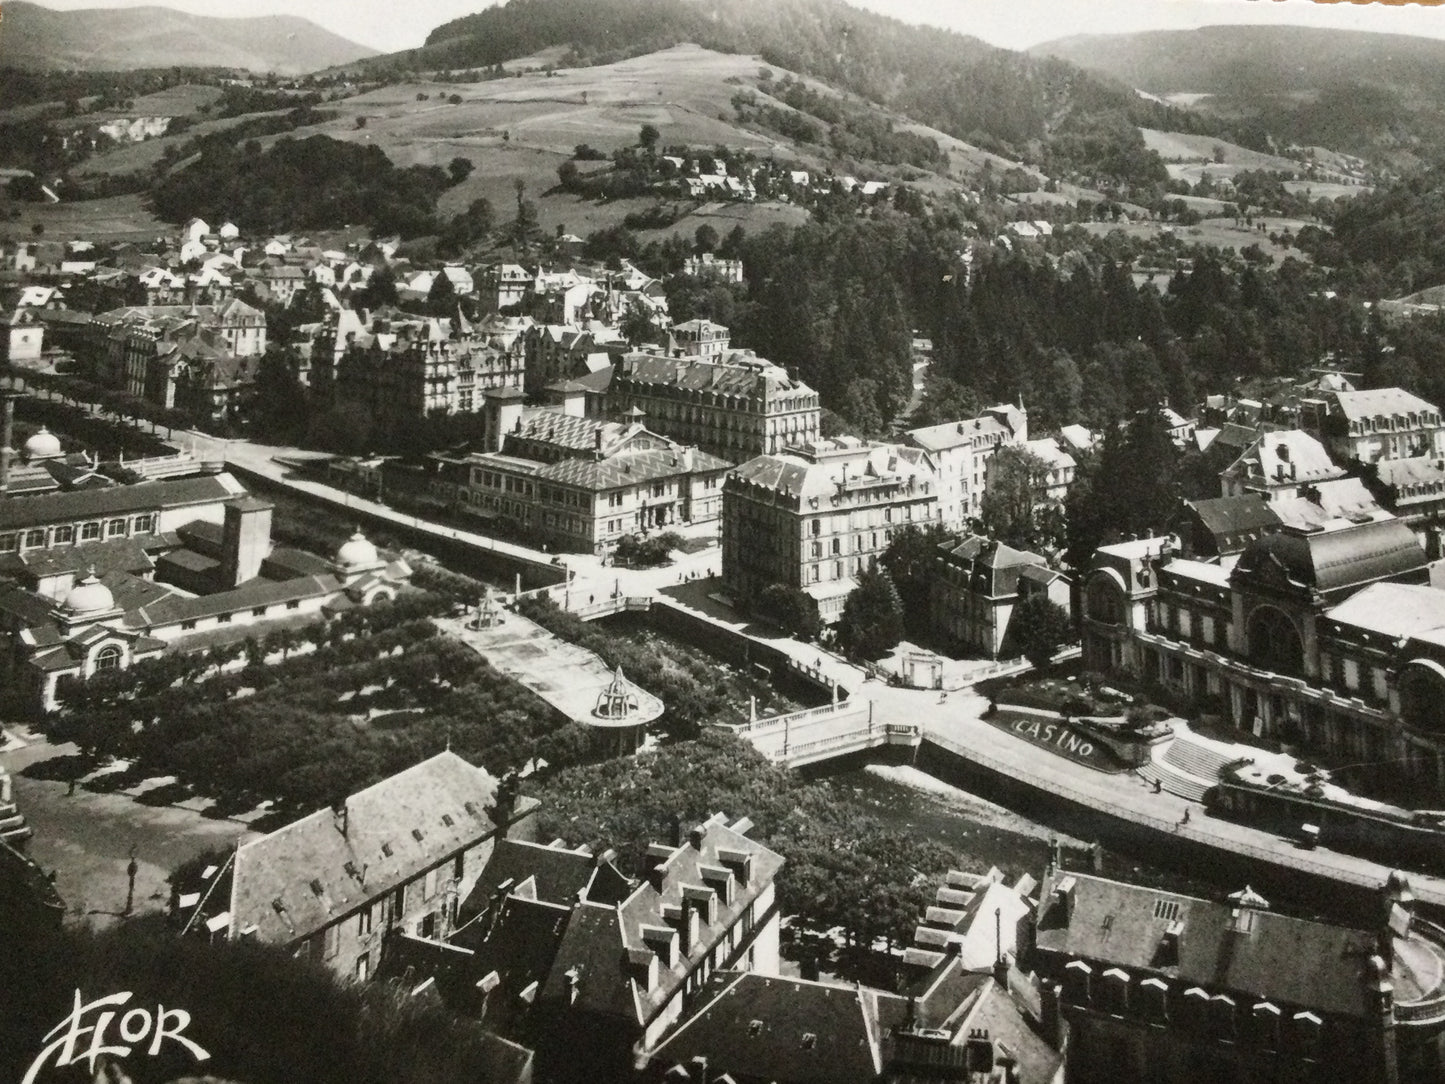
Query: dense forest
(1390, 241)
(275, 190)
(838, 301)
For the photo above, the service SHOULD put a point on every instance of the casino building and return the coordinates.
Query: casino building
(1325, 635)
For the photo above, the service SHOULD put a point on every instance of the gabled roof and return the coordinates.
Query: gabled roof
(793, 1031)
(630, 468)
(395, 830)
(993, 567)
(67, 507)
(251, 594)
(556, 875)
(1003, 421)
(120, 554)
(1386, 402)
(602, 942)
(1295, 962)
(1286, 457)
(1234, 521)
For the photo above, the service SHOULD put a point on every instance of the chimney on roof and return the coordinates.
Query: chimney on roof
(339, 816)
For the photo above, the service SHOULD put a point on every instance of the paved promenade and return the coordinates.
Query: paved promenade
(568, 677)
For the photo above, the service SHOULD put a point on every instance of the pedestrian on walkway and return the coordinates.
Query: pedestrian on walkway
(70, 792)
(1185, 819)
(1158, 787)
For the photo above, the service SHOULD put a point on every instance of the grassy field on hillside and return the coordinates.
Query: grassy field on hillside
(523, 127)
(113, 218)
(1219, 232)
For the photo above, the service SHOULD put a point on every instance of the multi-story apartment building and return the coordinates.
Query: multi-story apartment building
(505, 285)
(961, 451)
(558, 352)
(1279, 466)
(1325, 636)
(813, 517)
(408, 369)
(577, 484)
(708, 266)
(400, 855)
(735, 406)
(1052, 484)
(130, 339)
(1378, 423)
(976, 584)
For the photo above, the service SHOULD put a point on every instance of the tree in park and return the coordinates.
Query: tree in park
(944, 400)
(637, 327)
(909, 560)
(859, 405)
(1008, 507)
(790, 609)
(280, 403)
(1131, 487)
(872, 623)
(1038, 628)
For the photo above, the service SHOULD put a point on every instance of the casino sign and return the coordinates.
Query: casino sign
(1058, 737)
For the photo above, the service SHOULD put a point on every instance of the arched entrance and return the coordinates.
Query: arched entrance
(1275, 642)
(1422, 696)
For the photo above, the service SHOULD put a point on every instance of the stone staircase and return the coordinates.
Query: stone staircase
(1188, 766)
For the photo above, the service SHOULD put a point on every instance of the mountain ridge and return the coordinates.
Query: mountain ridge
(1021, 107)
(1370, 94)
(121, 39)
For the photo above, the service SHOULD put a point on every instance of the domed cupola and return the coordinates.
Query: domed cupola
(42, 445)
(357, 555)
(89, 596)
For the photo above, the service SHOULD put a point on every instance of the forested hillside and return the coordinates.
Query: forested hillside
(1042, 110)
(1371, 94)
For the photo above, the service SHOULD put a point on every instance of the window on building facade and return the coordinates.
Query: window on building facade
(35, 537)
(64, 535)
(9, 542)
(146, 522)
(363, 922)
(333, 940)
(108, 658)
(89, 531)
(115, 528)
